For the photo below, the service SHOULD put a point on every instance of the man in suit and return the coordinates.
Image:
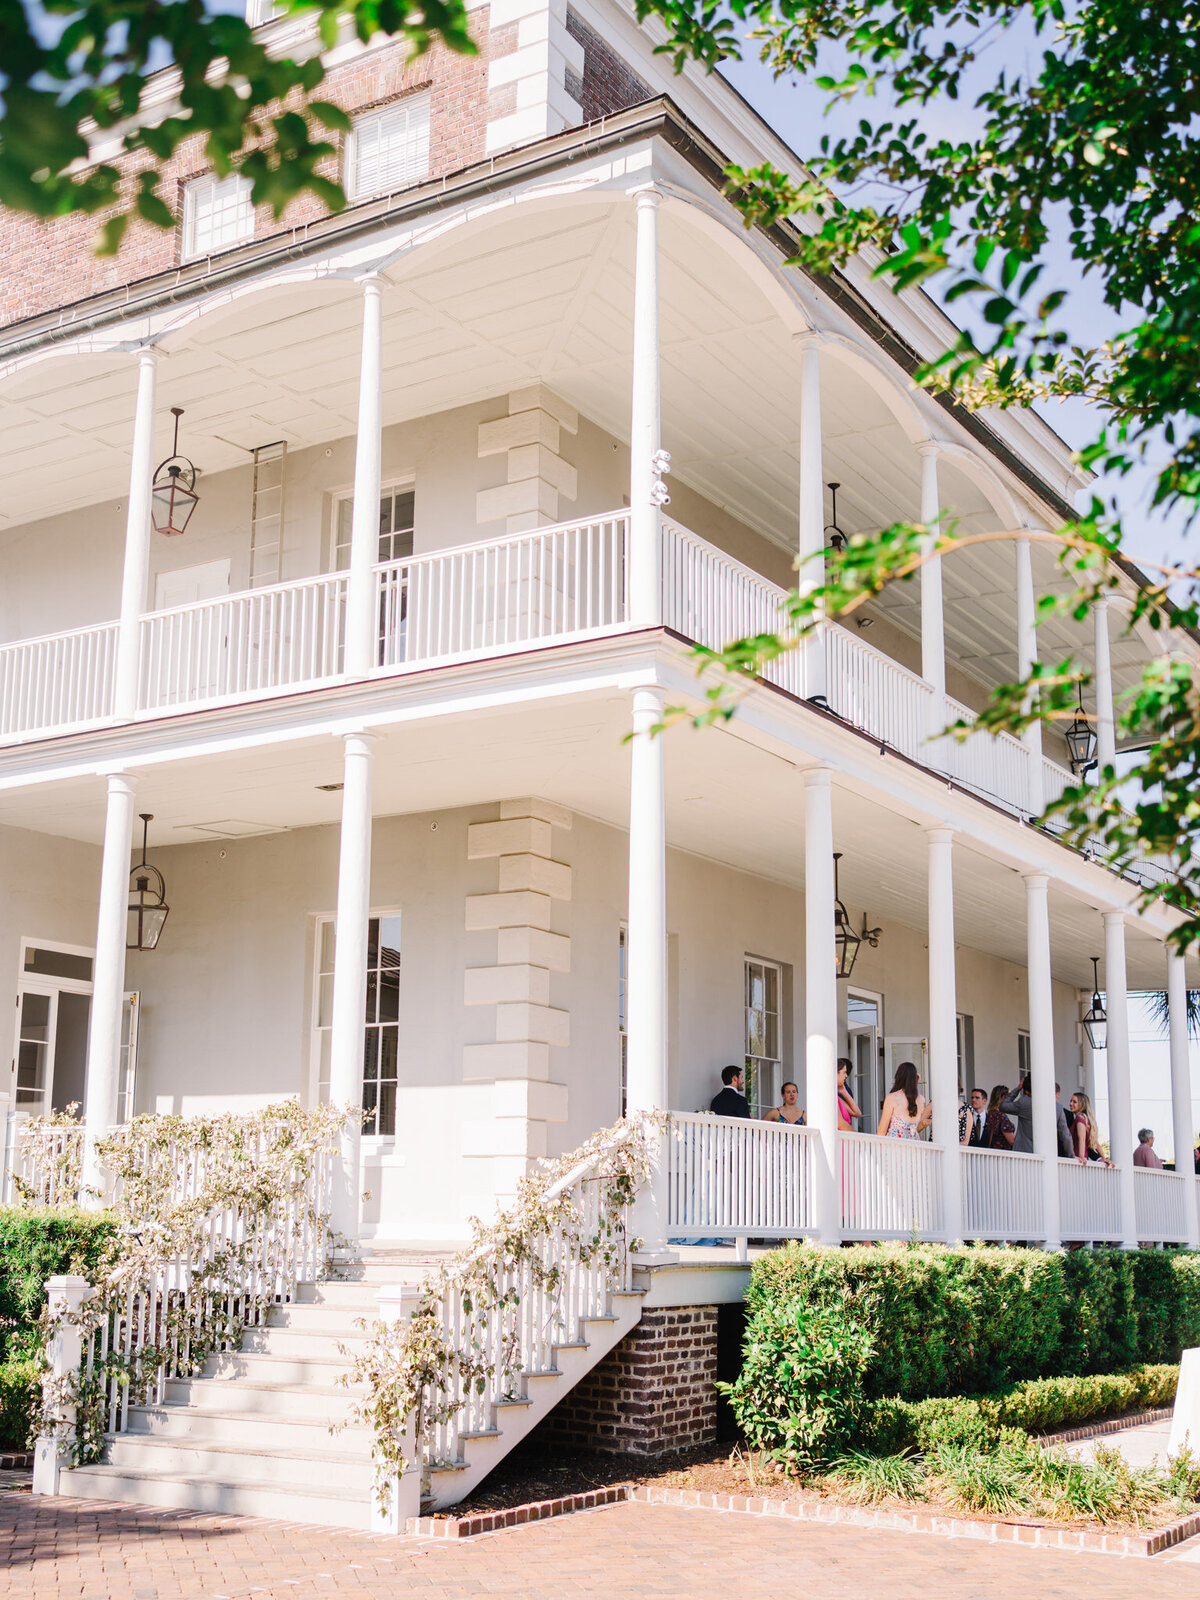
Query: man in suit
(978, 1116)
(1066, 1124)
(731, 1102)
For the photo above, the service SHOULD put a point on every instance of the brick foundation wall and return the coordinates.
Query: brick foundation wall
(608, 84)
(46, 265)
(650, 1396)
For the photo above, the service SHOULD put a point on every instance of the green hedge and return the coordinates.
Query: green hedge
(1039, 1405)
(967, 1321)
(36, 1245)
(40, 1244)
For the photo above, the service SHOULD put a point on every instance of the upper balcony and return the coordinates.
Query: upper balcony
(483, 360)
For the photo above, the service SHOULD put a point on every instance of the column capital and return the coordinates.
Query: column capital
(929, 448)
(1114, 919)
(1036, 880)
(818, 778)
(366, 735)
(809, 339)
(371, 282)
(646, 195)
(147, 355)
(940, 835)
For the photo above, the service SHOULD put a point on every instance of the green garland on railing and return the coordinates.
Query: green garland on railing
(410, 1370)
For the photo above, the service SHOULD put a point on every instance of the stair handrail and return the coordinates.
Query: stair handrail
(215, 1220)
(526, 1283)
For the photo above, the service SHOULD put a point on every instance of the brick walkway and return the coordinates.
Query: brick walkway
(625, 1552)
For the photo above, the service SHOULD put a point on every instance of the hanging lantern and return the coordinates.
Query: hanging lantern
(835, 537)
(1095, 1024)
(173, 495)
(148, 906)
(1081, 741)
(845, 938)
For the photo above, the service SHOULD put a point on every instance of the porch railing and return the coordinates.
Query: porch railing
(993, 765)
(727, 1177)
(1160, 1201)
(891, 1188)
(872, 692)
(713, 599)
(1089, 1200)
(278, 639)
(63, 681)
(550, 584)
(43, 1163)
(1002, 1195)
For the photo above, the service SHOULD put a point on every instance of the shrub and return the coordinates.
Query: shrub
(20, 1387)
(951, 1321)
(41, 1244)
(799, 1393)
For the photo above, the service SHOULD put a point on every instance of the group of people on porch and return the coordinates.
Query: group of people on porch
(1001, 1120)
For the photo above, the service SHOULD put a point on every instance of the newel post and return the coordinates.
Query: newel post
(398, 1303)
(65, 1295)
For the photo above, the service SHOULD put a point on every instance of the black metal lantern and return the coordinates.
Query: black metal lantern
(845, 938)
(148, 906)
(1095, 1024)
(836, 538)
(173, 495)
(1081, 741)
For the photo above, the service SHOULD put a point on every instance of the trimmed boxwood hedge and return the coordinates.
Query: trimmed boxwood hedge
(34, 1246)
(974, 1320)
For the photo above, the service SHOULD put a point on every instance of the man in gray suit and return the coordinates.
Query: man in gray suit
(1066, 1145)
(1020, 1105)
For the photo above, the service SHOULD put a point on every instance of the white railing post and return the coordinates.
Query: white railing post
(1041, 1049)
(364, 524)
(136, 574)
(1120, 1108)
(1027, 655)
(108, 985)
(1181, 1089)
(812, 507)
(646, 989)
(398, 1302)
(820, 1001)
(943, 1031)
(1106, 727)
(645, 516)
(348, 1012)
(65, 1295)
(933, 627)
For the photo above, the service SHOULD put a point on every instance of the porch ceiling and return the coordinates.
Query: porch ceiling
(729, 801)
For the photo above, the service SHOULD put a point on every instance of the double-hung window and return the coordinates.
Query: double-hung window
(388, 149)
(764, 987)
(217, 214)
(381, 1046)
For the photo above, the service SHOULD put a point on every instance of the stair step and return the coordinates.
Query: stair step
(242, 1397)
(250, 1429)
(204, 1457)
(263, 1367)
(332, 1506)
(339, 1320)
(320, 1343)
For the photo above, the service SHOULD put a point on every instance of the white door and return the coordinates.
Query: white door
(188, 586)
(129, 1044)
(864, 1020)
(191, 648)
(33, 1051)
(896, 1050)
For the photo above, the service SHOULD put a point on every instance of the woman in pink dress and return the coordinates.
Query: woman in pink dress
(847, 1107)
(904, 1109)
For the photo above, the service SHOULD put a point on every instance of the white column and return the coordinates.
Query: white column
(646, 965)
(364, 525)
(820, 1000)
(108, 980)
(1120, 1107)
(933, 630)
(1041, 1048)
(136, 575)
(1027, 654)
(645, 519)
(943, 1025)
(1106, 727)
(348, 1020)
(811, 573)
(1181, 1087)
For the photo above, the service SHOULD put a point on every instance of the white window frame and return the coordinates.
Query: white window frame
(415, 111)
(321, 920)
(49, 986)
(242, 210)
(872, 1102)
(345, 496)
(774, 1062)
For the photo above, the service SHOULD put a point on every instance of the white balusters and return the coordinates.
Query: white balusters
(1002, 1195)
(729, 1177)
(1089, 1198)
(891, 1188)
(1160, 1205)
(60, 682)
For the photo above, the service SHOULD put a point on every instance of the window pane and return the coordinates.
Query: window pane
(58, 964)
(217, 214)
(390, 148)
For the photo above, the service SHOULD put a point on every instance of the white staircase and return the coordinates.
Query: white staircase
(252, 1434)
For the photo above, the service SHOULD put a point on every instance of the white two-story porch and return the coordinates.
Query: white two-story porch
(378, 712)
